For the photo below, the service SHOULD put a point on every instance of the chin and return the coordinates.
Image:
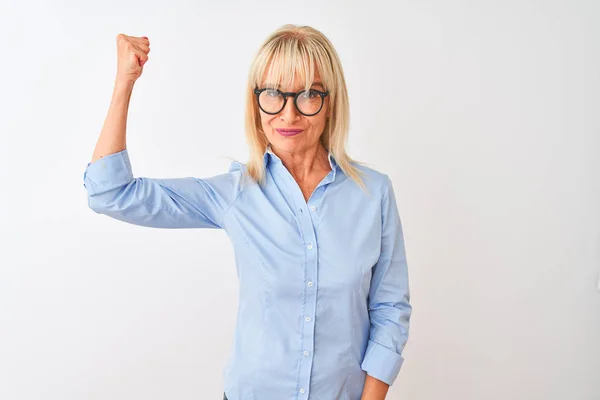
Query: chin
(283, 141)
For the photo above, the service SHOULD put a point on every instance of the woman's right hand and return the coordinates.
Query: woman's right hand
(132, 54)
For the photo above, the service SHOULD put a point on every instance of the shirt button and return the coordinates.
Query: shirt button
(313, 208)
(309, 246)
(309, 283)
(302, 390)
(305, 352)
(307, 318)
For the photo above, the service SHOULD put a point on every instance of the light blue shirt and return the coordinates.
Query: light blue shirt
(323, 284)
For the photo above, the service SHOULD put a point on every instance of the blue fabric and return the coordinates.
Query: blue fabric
(323, 284)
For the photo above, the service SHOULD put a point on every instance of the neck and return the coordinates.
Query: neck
(305, 162)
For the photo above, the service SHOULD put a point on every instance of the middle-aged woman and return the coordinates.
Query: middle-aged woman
(324, 304)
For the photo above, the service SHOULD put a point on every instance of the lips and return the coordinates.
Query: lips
(289, 132)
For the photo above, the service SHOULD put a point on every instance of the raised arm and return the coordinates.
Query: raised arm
(161, 203)
(132, 54)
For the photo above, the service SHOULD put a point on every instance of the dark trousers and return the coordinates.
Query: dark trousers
(224, 397)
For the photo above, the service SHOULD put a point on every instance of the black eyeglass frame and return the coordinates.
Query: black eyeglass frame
(295, 95)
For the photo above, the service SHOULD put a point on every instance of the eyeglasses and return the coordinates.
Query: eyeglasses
(272, 100)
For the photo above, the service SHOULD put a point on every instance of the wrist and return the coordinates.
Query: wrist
(123, 86)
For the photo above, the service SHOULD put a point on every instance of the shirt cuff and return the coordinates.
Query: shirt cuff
(107, 173)
(381, 362)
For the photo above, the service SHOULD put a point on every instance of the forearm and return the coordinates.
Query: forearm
(112, 137)
(374, 389)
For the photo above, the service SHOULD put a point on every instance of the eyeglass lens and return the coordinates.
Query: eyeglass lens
(271, 101)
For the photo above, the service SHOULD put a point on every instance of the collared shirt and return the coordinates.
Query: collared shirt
(323, 283)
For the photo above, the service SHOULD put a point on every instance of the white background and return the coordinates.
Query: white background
(484, 113)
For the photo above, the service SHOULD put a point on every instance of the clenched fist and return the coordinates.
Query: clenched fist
(132, 54)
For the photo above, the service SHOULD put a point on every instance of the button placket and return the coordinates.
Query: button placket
(306, 223)
(307, 344)
(307, 227)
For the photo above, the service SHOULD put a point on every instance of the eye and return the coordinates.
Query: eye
(272, 92)
(311, 94)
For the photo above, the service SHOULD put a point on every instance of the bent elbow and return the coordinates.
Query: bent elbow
(109, 201)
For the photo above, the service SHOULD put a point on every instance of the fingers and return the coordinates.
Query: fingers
(144, 48)
(141, 42)
(141, 56)
(132, 55)
(140, 46)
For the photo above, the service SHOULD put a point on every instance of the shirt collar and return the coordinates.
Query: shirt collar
(269, 155)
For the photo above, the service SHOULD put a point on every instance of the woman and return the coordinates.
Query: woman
(324, 301)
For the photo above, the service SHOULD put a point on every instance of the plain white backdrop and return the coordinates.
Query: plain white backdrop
(484, 113)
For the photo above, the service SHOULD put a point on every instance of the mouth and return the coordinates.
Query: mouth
(289, 132)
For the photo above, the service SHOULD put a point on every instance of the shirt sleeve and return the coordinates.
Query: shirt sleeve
(160, 203)
(389, 298)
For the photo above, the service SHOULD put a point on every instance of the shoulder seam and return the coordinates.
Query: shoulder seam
(388, 183)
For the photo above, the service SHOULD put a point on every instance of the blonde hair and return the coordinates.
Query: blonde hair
(291, 50)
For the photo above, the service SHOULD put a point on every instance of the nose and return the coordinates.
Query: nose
(289, 113)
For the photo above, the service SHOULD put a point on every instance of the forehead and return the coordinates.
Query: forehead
(281, 77)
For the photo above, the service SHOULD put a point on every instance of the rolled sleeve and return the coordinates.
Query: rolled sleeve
(108, 173)
(381, 362)
(389, 298)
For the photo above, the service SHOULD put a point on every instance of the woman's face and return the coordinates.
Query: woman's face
(290, 118)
